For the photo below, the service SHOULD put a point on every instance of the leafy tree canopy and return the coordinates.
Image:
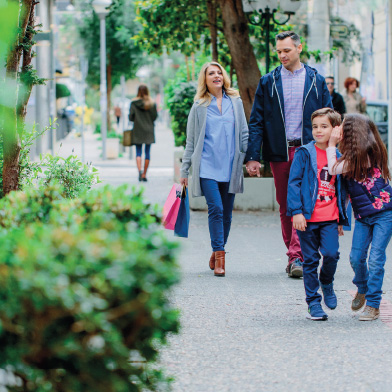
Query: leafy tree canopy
(123, 54)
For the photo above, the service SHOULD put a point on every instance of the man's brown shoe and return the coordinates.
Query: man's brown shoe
(369, 314)
(212, 261)
(220, 263)
(358, 302)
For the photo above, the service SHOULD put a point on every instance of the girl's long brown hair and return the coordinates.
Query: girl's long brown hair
(143, 93)
(362, 146)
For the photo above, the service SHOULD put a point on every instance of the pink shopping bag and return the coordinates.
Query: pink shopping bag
(171, 207)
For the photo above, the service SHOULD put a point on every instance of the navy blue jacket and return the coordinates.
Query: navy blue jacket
(303, 185)
(267, 123)
(370, 197)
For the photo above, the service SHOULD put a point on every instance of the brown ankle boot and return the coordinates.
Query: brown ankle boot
(220, 263)
(212, 261)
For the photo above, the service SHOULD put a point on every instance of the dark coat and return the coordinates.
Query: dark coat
(338, 103)
(303, 185)
(267, 122)
(143, 122)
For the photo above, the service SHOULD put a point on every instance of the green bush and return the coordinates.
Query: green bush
(83, 291)
(70, 172)
(180, 100)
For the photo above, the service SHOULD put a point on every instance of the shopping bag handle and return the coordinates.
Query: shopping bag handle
(183, 193)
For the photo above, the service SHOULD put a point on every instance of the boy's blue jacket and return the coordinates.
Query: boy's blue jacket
(303, 185)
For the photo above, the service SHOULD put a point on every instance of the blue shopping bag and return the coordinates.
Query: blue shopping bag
(182, 223)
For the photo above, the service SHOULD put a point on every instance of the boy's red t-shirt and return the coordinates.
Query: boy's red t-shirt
(326, 208)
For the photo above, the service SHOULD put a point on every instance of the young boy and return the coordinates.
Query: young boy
(316, 201)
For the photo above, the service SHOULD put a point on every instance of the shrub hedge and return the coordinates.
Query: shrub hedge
(84, 289)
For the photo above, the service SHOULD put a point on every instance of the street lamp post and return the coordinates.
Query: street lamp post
(267, 9)
(101, 9)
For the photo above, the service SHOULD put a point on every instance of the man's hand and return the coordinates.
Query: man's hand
(184, 181)
(299, 222)
(340, 230)
(253, 168)
(336, 136)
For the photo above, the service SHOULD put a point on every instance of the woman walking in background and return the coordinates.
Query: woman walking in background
(217, 140)
(143, 113)
(353, 100)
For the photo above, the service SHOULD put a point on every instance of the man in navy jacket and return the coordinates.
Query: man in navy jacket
(280, 122)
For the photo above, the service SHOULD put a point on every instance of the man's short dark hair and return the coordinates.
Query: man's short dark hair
(289, 34)
(330, 77)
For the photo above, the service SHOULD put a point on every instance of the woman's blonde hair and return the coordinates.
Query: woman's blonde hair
(202, 94)
(143, 93)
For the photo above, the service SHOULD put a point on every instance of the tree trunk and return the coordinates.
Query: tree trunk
(211, 9)
(235, 28)
(109, 93)
(11, 139)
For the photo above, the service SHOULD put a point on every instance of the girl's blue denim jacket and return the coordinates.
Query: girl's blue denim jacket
(303, 185)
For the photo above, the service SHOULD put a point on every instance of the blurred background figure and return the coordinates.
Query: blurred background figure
(117, 113)
(337, 99)
(353, 100)
(143, 113)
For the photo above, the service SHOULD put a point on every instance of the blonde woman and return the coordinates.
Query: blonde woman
(143, 113)
(217, 140)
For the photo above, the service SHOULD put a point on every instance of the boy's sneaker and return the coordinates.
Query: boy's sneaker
(316, 313)
(330, 299)
(295, 270)
(369, 314)
(358, 302)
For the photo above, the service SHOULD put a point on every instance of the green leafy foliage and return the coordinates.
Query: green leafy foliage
(75, 176)
(124, 57)
(179, 95)
(84, 289)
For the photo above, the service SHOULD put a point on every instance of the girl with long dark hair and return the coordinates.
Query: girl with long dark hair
(364, 165)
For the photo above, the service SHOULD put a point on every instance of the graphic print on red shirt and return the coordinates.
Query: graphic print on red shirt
(326, 208)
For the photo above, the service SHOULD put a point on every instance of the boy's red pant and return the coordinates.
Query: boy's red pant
(281, 171)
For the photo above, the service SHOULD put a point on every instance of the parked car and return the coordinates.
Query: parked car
(378, 112)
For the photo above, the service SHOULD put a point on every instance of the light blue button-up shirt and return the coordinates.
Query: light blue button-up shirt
(219, 142)
(293, 93)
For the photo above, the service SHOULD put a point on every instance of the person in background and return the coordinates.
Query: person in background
(117, 113)
(217, 139)
(353, 100)
(280, 123)
(337, 99)
(143, 113)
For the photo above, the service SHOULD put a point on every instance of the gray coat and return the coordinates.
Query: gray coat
(196, 130)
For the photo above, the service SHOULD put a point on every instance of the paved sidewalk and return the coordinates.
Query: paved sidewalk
(248, 331)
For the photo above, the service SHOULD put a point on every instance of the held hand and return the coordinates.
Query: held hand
(253, 168)
(184, 181)
(336, 136)
(299, 222)
(340, 230)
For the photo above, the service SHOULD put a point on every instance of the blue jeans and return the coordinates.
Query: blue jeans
(220, 207)
(146, 150)
(377, 230)
(323, 237)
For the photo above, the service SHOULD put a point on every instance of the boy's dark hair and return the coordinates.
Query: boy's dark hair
(330, 77)
(333, 117)
(289, 34)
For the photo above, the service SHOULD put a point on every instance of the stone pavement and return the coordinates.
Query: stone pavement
(248, 331)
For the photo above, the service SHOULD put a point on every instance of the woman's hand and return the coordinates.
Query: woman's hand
(336, 136)
(340, 230)
(184, 181)
(299, 222)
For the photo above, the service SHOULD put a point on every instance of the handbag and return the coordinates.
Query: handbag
(182, 223)
(127, 138)
(171, 207)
